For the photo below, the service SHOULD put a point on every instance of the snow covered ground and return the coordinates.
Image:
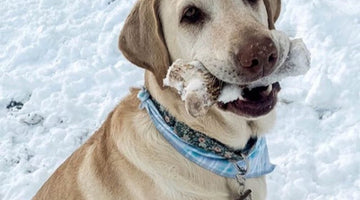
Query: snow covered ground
(60, 59)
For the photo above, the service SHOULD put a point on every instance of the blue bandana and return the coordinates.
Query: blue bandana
(254, 163)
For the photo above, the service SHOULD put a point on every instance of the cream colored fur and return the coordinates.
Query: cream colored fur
(232, 23)
(127, 158)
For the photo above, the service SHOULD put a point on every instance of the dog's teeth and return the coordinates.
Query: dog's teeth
(269, 89)
(242, 98)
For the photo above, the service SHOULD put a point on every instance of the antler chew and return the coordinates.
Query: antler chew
(196, 85)
(199, 89)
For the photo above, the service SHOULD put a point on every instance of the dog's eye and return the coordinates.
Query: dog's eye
(192, 15)
(253, 2)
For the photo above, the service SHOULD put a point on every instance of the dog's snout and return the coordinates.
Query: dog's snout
(258, 55)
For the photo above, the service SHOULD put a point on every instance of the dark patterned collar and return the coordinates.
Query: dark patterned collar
(202, 141)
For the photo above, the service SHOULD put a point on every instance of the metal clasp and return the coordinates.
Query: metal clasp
(240, 178)
(242, 171)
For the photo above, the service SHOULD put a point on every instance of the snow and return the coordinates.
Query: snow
(230, 93)
(195, 84)
(60, 59)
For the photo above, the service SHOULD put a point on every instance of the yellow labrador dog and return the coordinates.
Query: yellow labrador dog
(127, 158)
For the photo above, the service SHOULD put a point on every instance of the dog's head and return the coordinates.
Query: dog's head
(231, 38)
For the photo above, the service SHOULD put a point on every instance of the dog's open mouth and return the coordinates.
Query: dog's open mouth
(253, 102)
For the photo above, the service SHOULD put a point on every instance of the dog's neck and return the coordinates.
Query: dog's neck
(228, 128)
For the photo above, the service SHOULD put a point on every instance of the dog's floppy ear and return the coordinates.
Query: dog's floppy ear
(273, 8)
(142, 41)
